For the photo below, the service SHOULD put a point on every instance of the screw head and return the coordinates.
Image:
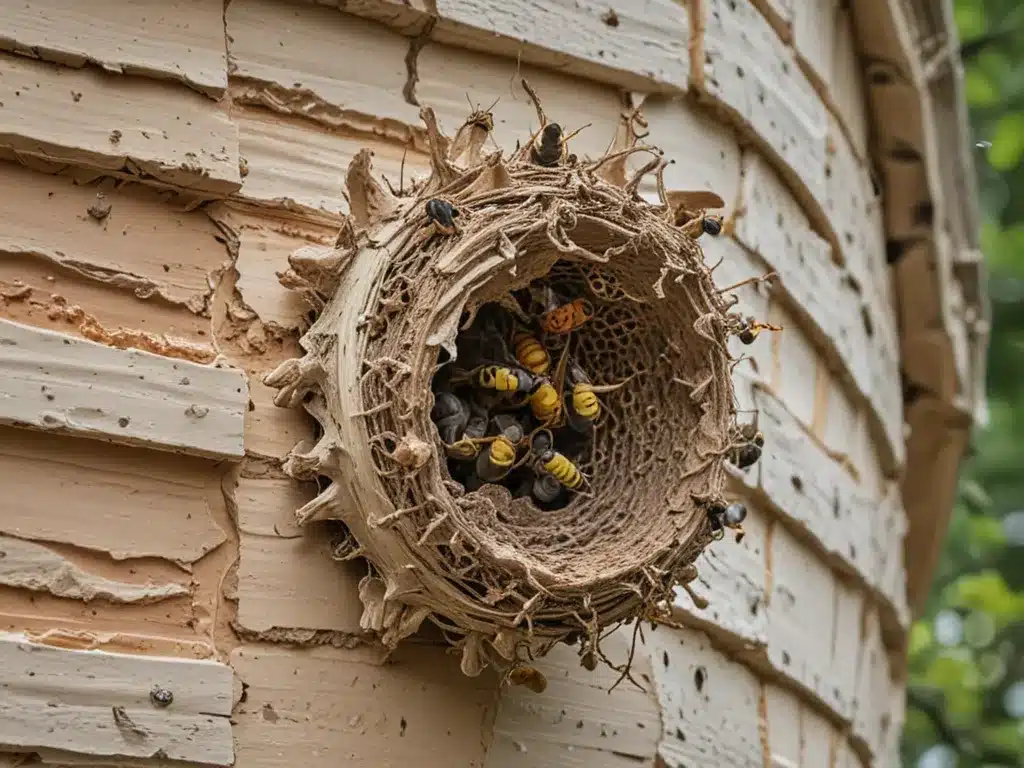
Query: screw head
(161, 697)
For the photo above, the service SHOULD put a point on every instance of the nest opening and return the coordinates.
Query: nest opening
(626, 455)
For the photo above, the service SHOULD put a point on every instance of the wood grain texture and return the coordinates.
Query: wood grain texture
(576, 722)
(709, 704)
(131, 127)
(639, 46)
(26, 565)
(180, 40)
(104, 710)
(143, 246)
(751, 73)
(300, 167)
(417, 710)
(286, 577)
(281, 45)
(123, 501)
(59, 383)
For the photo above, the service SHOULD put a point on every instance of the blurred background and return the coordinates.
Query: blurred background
(965, 702)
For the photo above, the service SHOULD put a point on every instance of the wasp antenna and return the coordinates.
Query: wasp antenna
(748, 281)
(468, 101)
(565, 139)
(493, 104)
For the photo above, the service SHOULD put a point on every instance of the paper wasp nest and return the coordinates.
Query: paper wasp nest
(501, 576)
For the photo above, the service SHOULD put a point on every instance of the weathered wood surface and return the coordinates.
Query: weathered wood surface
(125, 502)
(639, 46)
(576, 722)
(337, 706)
(130, 127)
(26, 565)
(286, 577)
(139, 246)
(59, 383)
(104, 708)
(754, 75)
(180, 40)
(279, 45)
(709, 704)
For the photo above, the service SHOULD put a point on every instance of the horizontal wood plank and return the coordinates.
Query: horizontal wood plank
(123, 501)
(141, 245)
(59, 383)
(281, 45)
(178, 40)
(104, 708)
(640, 46)
(301, 167)
(136, 128)
(733, 580)
(803, 587)
(419, 709)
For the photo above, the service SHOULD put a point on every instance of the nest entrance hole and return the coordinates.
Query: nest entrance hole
(635, 456)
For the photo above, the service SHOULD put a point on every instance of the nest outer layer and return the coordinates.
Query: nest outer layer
(495, 573)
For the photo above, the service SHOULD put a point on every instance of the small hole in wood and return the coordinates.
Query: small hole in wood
(904, 153)
(739, 72)
(700, 676)
(879, 76)
(798, 484)
(869, 326)
(785, 658)
(664, 658)
(924, 213)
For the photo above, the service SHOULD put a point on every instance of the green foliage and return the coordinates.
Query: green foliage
(967, 651)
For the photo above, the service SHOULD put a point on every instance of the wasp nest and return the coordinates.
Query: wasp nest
(515, 520)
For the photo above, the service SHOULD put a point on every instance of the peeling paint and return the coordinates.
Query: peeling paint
(36, 568)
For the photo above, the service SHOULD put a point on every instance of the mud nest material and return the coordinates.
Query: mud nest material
(502, 578)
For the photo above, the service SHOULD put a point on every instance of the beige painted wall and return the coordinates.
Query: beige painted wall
(160, 162)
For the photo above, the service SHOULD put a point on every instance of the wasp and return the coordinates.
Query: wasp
(546, 403)
(442, 214)
(567, 473)
(499, 378)
(468, 447)
(451, 414)
(749, 451)
(723, 517)
(550, 150)
(546, 487)
(584, 408)
(499, 459)
(531, 354)
(531, 677)
(749, 329)
(688, 211)
(565, 317)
